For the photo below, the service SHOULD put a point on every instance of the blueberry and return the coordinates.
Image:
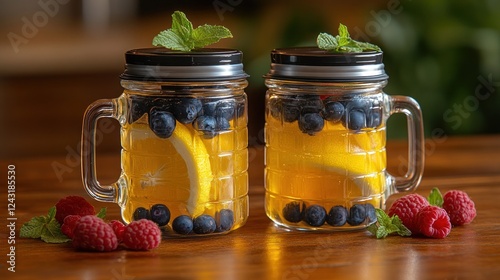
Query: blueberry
(240, 109)
(138, 107)
(374, 118)
(292, 212)
(186, 109)
(311, 104)
(222, 124)
(333, 111)
(162, 123)
(224, 220)
(315, 215)
(370, 213)
(337, 216)
(160, 214)
(141, 213)
(357, 215)
(225, 109)
(356, 120)
(291, 110)
(206, 124)
(208, 108)
(204, 224)
(182, 224)
(274, 108)
(311, 123)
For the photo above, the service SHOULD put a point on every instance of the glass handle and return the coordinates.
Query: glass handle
(413, 176)
(103, 108)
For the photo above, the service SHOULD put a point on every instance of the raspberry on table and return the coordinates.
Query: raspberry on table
(118, 228)
(69, 225)
(433, 221)
(73, 205)
(406, 208)
(459, 207)
(142, 235)
(91, 233)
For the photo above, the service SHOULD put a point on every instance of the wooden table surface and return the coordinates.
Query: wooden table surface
(259, 250)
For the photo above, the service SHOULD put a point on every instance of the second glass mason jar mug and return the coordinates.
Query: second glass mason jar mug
(183, 134)
(325, 137)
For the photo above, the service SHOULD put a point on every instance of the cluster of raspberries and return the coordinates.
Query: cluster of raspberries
(433, 221)
(91, 233)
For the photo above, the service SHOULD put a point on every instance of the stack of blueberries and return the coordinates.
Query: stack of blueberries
(210, 115)
(311, 111)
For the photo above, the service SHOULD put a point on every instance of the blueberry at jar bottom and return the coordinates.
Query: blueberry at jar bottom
(300, 215)
(204, 224)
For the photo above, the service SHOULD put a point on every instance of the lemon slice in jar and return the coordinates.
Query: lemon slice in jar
(192, 149)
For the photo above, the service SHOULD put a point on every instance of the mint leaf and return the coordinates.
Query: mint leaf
(183, 37)
(343, 42)
(45, 227)
(435, 198)
(171, 40)
(33, 228)
(102, 213)
(205, 35)
(386, 225)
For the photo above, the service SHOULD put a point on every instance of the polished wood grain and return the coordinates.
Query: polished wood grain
(259, 250)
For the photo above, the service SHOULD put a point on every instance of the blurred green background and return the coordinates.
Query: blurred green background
(445, 54)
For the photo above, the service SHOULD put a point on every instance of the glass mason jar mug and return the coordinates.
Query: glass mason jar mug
(325, 137)
(184, 138)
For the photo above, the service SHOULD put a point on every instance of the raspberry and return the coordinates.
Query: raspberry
(433, 221)
(93, 234)
(73, 205)
(69, 225)
(118, 228)
(459, 207)
(406, 208)
(142, 235)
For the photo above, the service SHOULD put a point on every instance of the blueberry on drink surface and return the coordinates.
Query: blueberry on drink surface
(182, 224)
(293, 212)
(337, 216)
(204, 224)
(162, 123)
(208, 108)
(374, 118)
(311, 104)
(356, 120)
(225, 109)
(333, 111)
(186, 109)
(224, 220)
(137, 108)
(274, 107)
(222, 124)
(315, 215)
(311, 123)
(160, 214)
(357, 215)
(141, 213)
(291, 110)
(206, 124)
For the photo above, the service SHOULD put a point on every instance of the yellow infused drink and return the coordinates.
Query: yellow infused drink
(188, 163)
(325, 157)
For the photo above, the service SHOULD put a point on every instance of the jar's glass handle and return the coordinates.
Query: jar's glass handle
(103, 108)
(416, 147)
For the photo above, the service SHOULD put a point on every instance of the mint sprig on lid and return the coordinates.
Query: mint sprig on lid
(343, 42)
(183, 37)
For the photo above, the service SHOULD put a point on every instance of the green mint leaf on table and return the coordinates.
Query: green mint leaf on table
(435, 198)
(182, 36)
(386, 225)
(102, 213)
(45, 227)
(343, 42)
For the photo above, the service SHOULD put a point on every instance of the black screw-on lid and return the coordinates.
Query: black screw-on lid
(312, 63)
(161, 64)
